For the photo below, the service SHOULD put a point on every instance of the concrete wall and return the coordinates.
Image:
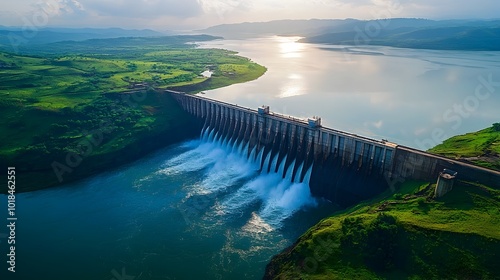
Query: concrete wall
(346, 168)
(414, 164)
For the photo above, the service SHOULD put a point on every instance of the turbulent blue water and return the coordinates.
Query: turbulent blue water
(197, 210)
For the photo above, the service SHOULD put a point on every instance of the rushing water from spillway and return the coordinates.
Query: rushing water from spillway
(198, 210)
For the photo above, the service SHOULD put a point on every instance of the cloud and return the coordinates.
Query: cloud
(377, 124)
(38, 13)
(59, 7)
(220, 7)
(143, 8)
(446, 9)
(197, 13)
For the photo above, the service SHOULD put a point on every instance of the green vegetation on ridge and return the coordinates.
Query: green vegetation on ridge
(481, 148)
(409, 235)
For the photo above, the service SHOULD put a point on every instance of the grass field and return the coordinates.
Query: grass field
(51, 97)
(406, 235)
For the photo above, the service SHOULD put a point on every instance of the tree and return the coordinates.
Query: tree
(496, 127)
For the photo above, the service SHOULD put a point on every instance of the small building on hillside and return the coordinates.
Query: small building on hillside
(445, 182)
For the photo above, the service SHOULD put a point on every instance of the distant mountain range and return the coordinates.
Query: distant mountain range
(277, 27)
(121, 46)
(12, 38)
(444, 38)
(397, 32)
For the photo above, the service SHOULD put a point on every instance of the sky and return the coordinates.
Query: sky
(199, 14)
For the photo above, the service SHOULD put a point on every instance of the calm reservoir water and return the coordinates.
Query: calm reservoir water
(411, 97)
(199, 210)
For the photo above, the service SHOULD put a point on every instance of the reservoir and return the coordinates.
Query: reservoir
(411, 97)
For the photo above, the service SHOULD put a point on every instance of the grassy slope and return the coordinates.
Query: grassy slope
(481, 148)
(455, 237)
(48, 102)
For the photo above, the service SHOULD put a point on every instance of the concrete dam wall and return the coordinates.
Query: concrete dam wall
(343, 167)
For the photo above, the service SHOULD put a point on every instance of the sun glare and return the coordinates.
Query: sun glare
(290, 48)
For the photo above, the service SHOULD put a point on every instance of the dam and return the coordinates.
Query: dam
(342, 167)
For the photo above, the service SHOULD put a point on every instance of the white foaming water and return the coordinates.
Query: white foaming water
(299, 171)
(227, 165)
(280, 198)
(201, 155)
(257, 225)
(224, 168)
(227, 170)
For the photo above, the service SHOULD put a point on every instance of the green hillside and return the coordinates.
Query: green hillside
(93, 105)
(408, 235)
(481, 147)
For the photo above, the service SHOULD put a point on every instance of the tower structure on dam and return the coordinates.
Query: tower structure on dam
(345, 167)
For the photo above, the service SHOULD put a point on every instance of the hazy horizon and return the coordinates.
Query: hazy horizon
(165, 15)
(188, 30)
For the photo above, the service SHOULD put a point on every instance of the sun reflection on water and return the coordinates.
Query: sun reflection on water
(293, 86)
(290, 47)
